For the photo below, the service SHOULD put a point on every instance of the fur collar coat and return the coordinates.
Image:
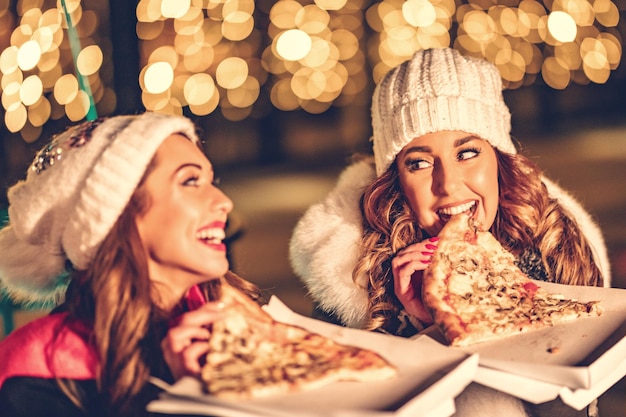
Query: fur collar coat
(325, 243)
(323, 253)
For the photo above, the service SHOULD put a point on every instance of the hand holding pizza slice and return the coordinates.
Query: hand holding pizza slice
(476, 293)
(251, 355)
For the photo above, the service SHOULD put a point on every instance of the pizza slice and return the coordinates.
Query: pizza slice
(253, 356)
(476, 293)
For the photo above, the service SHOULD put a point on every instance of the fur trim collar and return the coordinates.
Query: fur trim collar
(325, 243)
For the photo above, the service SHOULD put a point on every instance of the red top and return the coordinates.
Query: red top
(51, 348)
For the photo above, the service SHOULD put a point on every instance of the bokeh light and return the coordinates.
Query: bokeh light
(38, 73)
(236, 56)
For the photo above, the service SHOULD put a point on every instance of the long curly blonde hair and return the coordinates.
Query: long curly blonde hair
(527, 218)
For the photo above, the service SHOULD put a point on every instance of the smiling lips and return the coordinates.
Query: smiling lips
(212, 235)
(447, 212)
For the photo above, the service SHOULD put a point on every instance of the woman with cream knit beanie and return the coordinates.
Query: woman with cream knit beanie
(442, 145)
(120, 221)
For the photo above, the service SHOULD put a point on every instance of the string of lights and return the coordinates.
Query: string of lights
(204, 56)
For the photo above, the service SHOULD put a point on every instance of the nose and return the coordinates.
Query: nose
(221, 201)
(446, 179)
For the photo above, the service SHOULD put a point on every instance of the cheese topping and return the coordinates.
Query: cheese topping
(474, 279)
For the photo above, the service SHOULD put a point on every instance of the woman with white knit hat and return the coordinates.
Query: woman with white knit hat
(120, 220)
(442, 145)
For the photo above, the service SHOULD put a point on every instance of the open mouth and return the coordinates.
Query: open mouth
(446, 213)
(213, 236)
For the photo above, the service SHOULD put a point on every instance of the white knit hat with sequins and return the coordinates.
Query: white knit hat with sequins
(75, 190)
(438, 89)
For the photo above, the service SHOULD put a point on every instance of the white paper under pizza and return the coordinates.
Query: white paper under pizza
(538, 392)
(575, 360)
(430, 377)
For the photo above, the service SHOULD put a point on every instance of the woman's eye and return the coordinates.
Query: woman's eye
(416, 164)
(468, 154)
(191, 181)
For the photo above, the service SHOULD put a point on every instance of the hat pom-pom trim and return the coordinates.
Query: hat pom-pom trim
(30, 274)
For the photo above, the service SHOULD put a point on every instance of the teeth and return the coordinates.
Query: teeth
(211, 234)
(451, 211)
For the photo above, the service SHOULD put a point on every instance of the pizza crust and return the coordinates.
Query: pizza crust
(476, 293)
(253, 356)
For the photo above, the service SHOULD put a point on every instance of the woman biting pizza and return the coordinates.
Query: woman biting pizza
(442, 146)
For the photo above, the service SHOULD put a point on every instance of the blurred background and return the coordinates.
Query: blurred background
(281, 91)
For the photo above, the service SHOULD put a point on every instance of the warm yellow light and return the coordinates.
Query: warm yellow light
(89, 60)
(11, 95)
(555, 73)
(283, 14)
(347, 43)
(8, 79)
(65, 89)
(44, 36)
(580, 10)
(72, 5)
(39, 113)
(419, 13)
(308, 83)
(606, 12)
(28, 55)
(15, 118)
(231, 72)
(479, 26)
(199, 89)
(77, 108)
(312, 19)
(283, 97)
(174, 9)
(331, 4)
(230, 6)
(208, 107)
(8, 60)
(595, 63)
(293, 44)
(562, 26)
(31, 90)
(245, 95)
(237, 26)
(158, 77)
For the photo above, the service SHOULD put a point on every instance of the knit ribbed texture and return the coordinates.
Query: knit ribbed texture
(438, 89)
(65, 211)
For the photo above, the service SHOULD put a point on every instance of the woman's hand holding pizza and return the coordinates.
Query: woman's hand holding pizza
(408, 266)
(186, 343)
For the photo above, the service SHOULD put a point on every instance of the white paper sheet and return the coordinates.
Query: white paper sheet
(577, 354)
(430, 377)
(591, 354)
(538, 392)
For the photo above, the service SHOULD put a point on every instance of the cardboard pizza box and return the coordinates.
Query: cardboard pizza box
(577, 361)
(430, 377)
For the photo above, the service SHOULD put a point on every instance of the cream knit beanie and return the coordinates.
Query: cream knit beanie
(75, 190)
(438, 89)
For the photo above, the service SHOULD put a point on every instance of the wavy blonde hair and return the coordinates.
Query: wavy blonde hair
(116, 297)
(527, 218)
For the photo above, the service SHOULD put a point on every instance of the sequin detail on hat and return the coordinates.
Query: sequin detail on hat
(53, 152)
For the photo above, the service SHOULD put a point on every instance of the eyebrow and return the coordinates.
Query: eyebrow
(186, 165)
(457, 143)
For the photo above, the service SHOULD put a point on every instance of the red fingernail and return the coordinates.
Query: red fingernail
(426, 261)
(434, 239)
(427, 253)
(429, 246)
